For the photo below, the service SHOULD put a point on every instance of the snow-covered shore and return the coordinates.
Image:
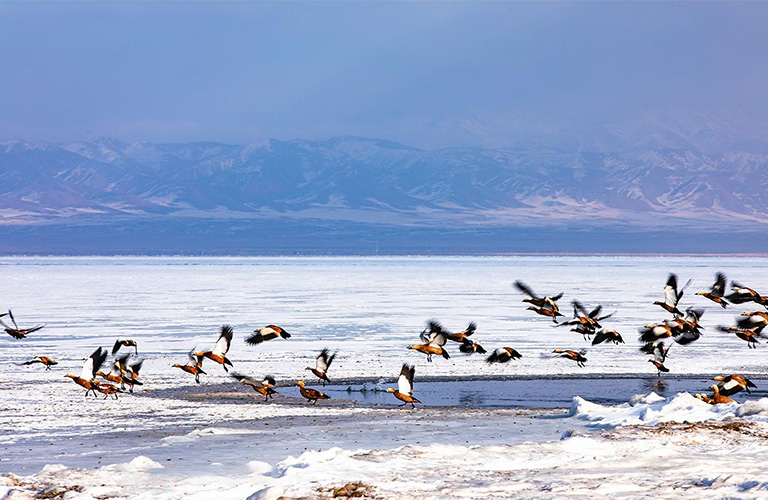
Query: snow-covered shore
(665, 448)
(176, 439)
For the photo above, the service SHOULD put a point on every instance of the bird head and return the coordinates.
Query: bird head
(300, 383)
(390, 389)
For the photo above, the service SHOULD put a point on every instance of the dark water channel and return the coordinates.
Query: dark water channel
(534, 392)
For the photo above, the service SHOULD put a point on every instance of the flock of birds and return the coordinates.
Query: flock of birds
(682, 328)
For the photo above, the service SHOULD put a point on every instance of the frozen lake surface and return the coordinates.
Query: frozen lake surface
(175, 438)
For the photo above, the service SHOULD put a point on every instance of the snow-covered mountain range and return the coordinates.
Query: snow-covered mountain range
(367, 181)
(107, 176)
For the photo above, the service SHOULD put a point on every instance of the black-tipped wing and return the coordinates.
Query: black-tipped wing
(13, 320)
(525, 289)
(324, 360)
(225, 339)
(718, 289)
(136, 367)
(670, 291)
(405, 380)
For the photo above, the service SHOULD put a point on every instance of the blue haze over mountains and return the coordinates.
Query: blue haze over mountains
(698, 187)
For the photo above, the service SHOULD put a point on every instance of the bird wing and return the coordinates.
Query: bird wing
(718, 289)
(93, 363)
(222, 345)
(578, 308)
(135, 367)
(405, 380)
(439, 340)
(322, 362)
(682, 290)
(269, 381)
(525, 289)
(600, 337)
(10, 315)
(670, 291)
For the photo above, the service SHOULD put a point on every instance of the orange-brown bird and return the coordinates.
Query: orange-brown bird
(607, 336)
(749, 335)
(219, 352)
(48, 362)
(311, 395)
(717, 292)
(87, 378)
(432, 344)
(672, 296)
(732, 384)
(193, 366)
(503, 355)
(404, 390)
(577, 356)
(322, 363)
(268, 332)
(14, 331)
(540, 302)
(265, 387)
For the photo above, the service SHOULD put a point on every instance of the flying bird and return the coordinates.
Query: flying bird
(193, 366)
(404, 390)
(503, 355)
(322, 363)
(607, 336)
(432, 344)
(577, 356)
(265, 387)
(470, 347)
(732, 384)
(87, 378)
(219, 352)
(268, 332)
(125, 343)
(717, 291)
(14, 331)
(46, 361)
(672, 296)
(536, 300)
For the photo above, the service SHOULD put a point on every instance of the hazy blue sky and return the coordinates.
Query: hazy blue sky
(420, 73)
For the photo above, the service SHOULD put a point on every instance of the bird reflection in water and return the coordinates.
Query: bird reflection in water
(471, 398)
(658, 385)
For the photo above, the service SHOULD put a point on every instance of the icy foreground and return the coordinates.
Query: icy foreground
(680, 448)
(173, 438)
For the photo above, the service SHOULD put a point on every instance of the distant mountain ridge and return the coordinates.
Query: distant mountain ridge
(354, 178)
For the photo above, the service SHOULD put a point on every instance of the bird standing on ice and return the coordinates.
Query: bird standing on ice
(311, 395)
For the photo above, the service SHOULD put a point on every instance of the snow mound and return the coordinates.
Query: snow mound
(142, 463)
(652, 409)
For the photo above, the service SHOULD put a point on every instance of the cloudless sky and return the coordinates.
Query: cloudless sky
(420, 73)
